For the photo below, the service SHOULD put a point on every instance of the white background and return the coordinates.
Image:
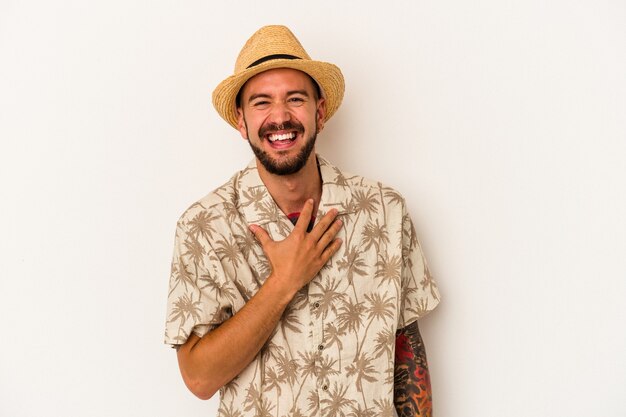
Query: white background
(502, 123)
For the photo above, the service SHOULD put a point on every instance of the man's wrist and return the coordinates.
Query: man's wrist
(279, 289)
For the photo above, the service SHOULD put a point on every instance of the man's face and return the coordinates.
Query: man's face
(280, 115)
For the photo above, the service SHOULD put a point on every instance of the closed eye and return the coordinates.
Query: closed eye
(296, 100)
(260, 103)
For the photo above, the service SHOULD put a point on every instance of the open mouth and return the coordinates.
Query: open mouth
(281, 136)
(285, 138)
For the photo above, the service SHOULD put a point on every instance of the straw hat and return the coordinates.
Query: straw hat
(276, 47)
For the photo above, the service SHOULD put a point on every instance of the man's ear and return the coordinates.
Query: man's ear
(321, 113)
(241, 124)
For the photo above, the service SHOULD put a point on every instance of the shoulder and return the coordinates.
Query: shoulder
(215, 205)
(359, 186)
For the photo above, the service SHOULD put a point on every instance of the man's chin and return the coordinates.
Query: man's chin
(287, 165)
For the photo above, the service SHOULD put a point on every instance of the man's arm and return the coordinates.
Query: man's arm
(208, 363)
(412, 393)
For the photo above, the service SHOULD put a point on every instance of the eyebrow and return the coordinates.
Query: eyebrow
(259, 95)
(289, 93)
(301, 92)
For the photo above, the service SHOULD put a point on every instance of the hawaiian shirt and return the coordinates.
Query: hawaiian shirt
(332, 353)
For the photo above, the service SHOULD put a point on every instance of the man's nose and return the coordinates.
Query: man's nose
(280, 113)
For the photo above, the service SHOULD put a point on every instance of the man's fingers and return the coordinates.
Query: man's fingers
(305, 216)
(319, 229)
(329, 234)
(260, 234)
(331, 249)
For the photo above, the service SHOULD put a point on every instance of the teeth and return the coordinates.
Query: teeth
(284, 136)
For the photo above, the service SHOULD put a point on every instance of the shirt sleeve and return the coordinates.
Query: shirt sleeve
(420, 294)
(199, 297)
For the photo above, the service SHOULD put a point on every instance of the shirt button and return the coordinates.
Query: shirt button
(325, 387)
(316, 305)
(321, 347)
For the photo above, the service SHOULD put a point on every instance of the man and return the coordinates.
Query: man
(296, 287)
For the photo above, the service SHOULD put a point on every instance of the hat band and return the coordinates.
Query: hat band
(271, 57)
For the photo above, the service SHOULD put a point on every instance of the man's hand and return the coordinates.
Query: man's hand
(298, 258)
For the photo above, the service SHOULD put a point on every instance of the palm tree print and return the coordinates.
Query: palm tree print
(287, 369)
(362, 368)
(388, 268)
(330, 296)
(221, 290)
(253, 398)
(339, 178)
(230, 212)
(384, 408)
(332, 352)
(374, 234)
(314, 402)
(366, 202)
(246, 242)
(385, 340)
(359, 411)
(421, 308)
(265, 408)
(326, 369)
(195, 250)
(228, 251)
(180, 274)
(393, 197)
(337, 402)
(201, 225)
(273, 382)
(297, 413)
(427, 282)
(185, 309)
(229, 411)
(253, 196)
(350, 317)
(333, 337)
(379, 308)
(271, 350)
(352, 263)
(232, 387)
(308, 364)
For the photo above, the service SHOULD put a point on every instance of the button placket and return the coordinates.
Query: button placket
(317, 320)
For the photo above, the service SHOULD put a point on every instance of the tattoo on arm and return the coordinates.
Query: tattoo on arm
(412, 393)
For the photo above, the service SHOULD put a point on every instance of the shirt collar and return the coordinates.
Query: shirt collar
(258, 206)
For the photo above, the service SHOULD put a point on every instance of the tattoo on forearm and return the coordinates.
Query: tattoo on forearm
(412, 392)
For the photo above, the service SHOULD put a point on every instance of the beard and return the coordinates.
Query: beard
(288, 166)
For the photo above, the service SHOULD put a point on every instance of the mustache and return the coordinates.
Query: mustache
(274, 127)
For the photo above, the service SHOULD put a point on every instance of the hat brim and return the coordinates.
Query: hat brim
(328, 77)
